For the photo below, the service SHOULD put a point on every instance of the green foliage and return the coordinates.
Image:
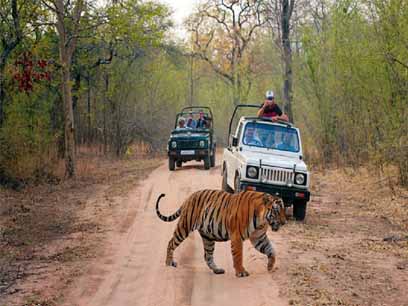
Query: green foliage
(137, 21)
(351, 85)
(28, 143)
(130, 79)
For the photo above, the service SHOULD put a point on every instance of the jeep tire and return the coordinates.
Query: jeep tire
(212, 161)
(172, 164)
(207, 162)
(179, 163)
(225, 186)
(299, 210)
(237, 184)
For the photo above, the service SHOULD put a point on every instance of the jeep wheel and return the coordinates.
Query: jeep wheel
(171, 164)
(299, 210)
(225, 186)
(237, 184)
(207, 162)
(179, 163)
(213, 159)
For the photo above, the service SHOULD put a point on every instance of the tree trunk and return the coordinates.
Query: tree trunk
(67, 44)
(88, 115)
(77, 116)
(236, 97)
(69, 120)
(105, 130)
(191, 102)
(2, 94)
(287, 9)
(235, 93)
(8, 45)
(119, 140)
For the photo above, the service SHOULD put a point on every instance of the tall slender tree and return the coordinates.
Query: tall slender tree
(10, 36)
(280, 17)
(286, 16)
(68, 16)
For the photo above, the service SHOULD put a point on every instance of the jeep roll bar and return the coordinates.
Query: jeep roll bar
(195, 109)
(235, 110)
(184, 110)
(288, 124)
(267, 119)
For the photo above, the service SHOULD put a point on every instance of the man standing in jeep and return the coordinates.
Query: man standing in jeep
(270, 109)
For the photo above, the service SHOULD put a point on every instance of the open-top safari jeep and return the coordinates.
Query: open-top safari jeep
(267, 156)
(191, 140)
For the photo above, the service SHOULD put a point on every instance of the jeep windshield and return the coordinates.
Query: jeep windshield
(271, 136)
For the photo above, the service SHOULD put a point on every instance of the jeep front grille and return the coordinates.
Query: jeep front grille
(276, 176)
(188, 144)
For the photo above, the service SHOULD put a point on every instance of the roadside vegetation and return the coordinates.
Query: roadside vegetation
(50, 231)
(338, 67)
(89, 91)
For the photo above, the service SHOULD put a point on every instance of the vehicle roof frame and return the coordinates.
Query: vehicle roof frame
(183, 111)
(253, 117)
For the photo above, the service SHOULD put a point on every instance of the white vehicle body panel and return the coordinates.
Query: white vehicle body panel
(277, 167)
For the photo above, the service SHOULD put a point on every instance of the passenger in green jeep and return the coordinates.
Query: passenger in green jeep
(181, 123)
(191, 123)
(202, 122)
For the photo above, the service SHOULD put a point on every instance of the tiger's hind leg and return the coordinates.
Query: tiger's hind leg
(261, 242)
(178, 237)
(209, 246)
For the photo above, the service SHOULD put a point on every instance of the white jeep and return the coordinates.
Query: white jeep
(266, 156)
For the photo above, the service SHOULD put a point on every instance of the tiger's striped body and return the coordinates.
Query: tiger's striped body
(221, 216)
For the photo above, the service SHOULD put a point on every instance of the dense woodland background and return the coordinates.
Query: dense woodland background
(106, 75)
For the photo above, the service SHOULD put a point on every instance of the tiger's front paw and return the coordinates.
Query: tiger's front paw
(171, 263)
(271, 263)
(242, 274)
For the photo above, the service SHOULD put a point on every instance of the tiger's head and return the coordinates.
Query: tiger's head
(275, 214)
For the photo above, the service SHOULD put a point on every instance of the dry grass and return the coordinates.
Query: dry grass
(353, 248)
(44, 234)
(379, 193)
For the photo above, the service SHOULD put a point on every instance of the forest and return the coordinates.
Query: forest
(111, 75)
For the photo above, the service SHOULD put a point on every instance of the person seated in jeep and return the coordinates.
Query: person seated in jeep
(250, 138)
(269, 109)
(286, 143)
(191, 123)
(269, 140)
(181, 123)
(202, 122)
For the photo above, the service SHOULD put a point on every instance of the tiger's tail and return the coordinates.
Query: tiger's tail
(166, 218)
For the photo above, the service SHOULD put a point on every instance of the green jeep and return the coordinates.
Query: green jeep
(192, 137)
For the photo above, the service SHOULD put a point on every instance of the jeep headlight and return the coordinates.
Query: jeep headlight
(174, 144)
(202, 143)
(300, 179)
(252, 172)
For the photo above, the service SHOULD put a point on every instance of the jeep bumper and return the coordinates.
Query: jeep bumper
(288, 194)
(186, 155)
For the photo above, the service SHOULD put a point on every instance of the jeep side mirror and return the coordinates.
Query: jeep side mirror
(234, 141)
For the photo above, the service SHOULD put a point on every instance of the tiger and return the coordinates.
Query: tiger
(222, 216)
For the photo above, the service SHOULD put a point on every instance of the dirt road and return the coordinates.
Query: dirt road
(102, 244)
(352, 249)
(133, 273)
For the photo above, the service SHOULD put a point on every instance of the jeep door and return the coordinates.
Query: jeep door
(232, 156)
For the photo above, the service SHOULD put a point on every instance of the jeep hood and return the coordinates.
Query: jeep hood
(284, 160)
